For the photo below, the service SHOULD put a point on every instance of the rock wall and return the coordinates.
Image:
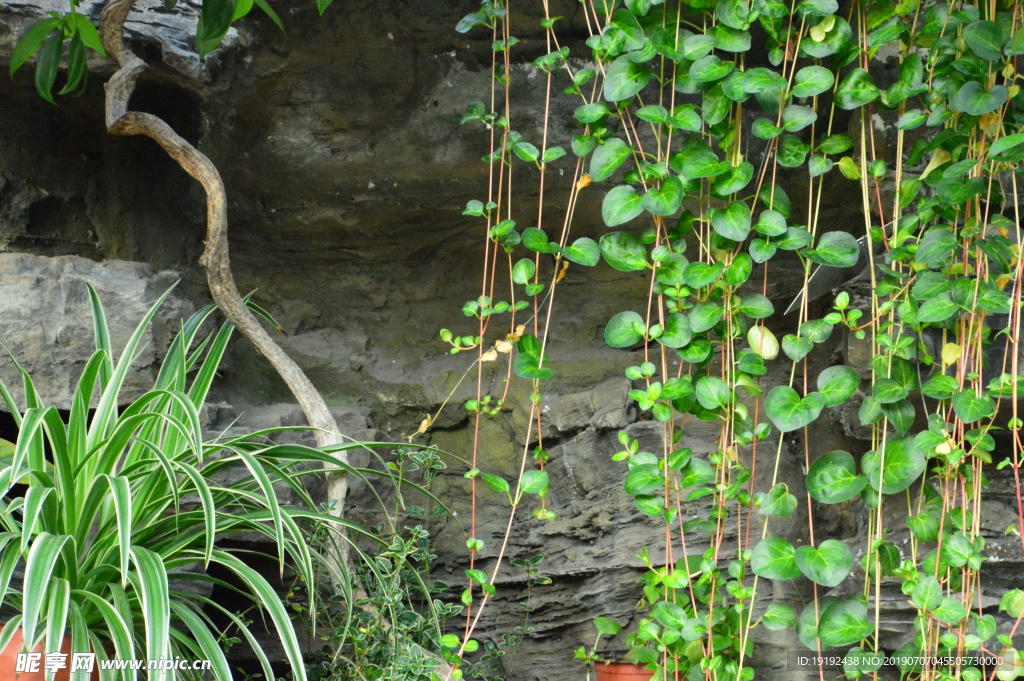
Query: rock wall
(347, 172)
(48, 328)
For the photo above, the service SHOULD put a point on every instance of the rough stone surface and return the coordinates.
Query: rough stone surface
(347, 172)
(47, 320)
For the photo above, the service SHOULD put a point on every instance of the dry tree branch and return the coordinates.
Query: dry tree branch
(215, 257)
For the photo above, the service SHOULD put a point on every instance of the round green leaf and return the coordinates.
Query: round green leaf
(844, 622)
(796, 117)
(832, 478)
(912, 119)
(1012, 603)
(621, 204)
(710, 68)
(733, 222)
(698, 46)
(583, 251)
(699, 274)
(927, 594)
(670, 615)
(623, 251)
(956, 550)
(788, 411)
(812, 80)
(771, 223)
(756, 306)
(837, 383)
(792, 152)
(924, 526)
(950, 611)
(696, 472)
(857, 89)
(819, 165)
(900, 415)
(535, 482)
(970, 407)
(670, 270)
(653, 113)
(607, 158)
(704, 316)
(986, 39)
(526, 151)
(835, 249)
(665, 200)
(622, 330)
(778, 617)
(777, 502)
(796, 347)
(827, 564)
(764, 129)
(677, 332)
(774, 558)
(973, 99)
(713, 392)
(536, 240)
(644, 478)
(937, 309)
(902, 465)
(888, 390)
(607, 627)
(592, 113)
(733, 180)
(715, 106)
(523, 271)
(625, 79)
(762, 251)
(837, 40)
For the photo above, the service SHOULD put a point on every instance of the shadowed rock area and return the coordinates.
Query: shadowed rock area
(347, 172)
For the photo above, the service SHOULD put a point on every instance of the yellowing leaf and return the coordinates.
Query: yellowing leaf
(489, 356)
(939, 156)
(990, 123)
(503, 346)
(424, 425)
(721, 255)
(763, 342)
(583, 182)
(561, 272)
(848, 167)
(951, 352)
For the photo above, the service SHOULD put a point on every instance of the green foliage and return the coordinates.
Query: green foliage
(688, 113)
(104, 528)
(690, 133)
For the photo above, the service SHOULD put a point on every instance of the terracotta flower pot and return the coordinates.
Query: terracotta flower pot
(9, 662)
(622, 671)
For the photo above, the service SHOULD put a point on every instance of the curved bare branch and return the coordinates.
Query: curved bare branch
(215, 258)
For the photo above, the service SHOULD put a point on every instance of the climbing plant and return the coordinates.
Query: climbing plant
(697, 120)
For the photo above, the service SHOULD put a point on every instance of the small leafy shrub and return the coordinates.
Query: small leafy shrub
(115, 514)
